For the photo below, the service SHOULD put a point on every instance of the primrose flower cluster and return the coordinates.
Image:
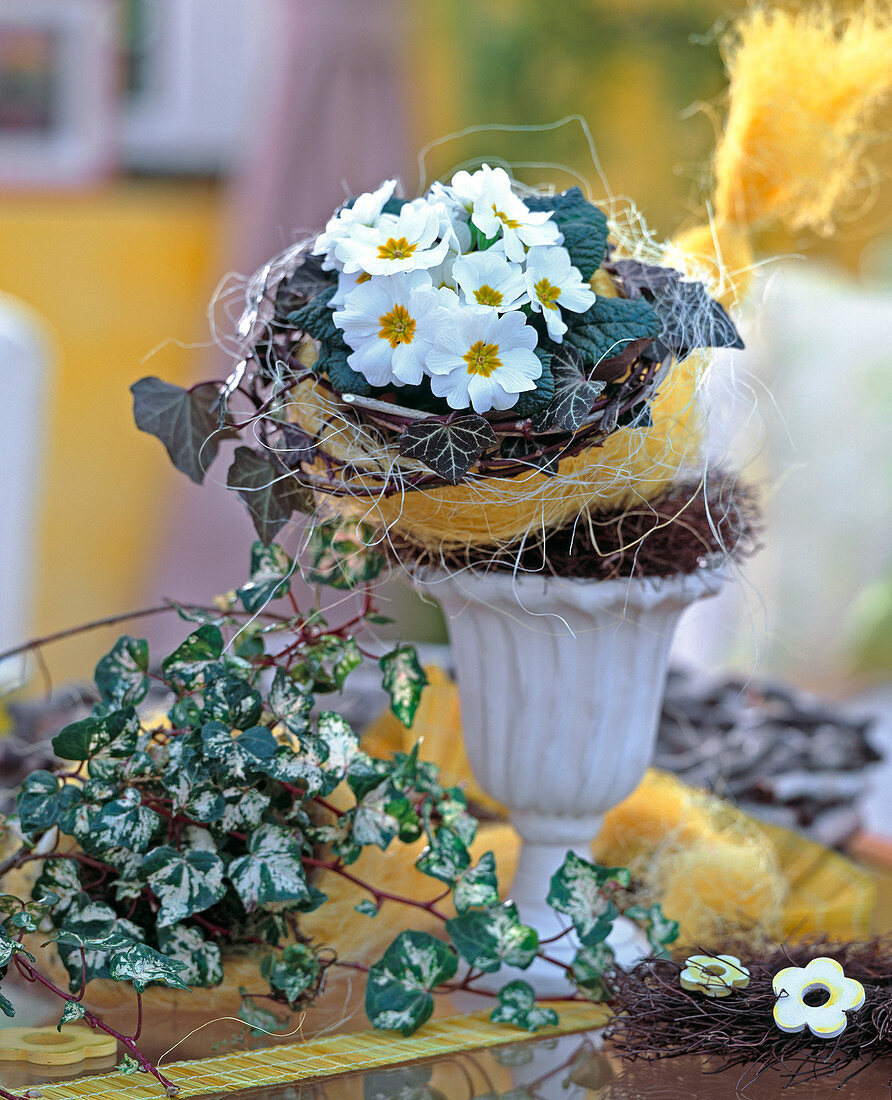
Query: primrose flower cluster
(447, 288)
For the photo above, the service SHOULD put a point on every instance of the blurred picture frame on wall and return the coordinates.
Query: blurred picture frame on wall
(59, 89)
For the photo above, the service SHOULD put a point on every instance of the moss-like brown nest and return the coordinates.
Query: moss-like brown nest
(656, 1018)
(690, 526)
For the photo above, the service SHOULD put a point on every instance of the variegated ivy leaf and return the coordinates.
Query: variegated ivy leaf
(42, 799)
(122, 823)
(404, 680)
(114, 734)
(230, 700)
(72, 1011)
(242, 809)
(143, 966)
(249, 754)
(95, 927)
(583, 891)
(341, 741)
(289, 703)
(327, 664)
(517, 1005)
(205, 804)
(476, 887)
(452, 807)
(8, 948)
(272, 875)
(202, 965)
(486, 938)
(293, 972)
(6, 1007)
(383, 814)
(445, 858)
(590, 970)
(62, 877)
(398, 993)
(343, 553)
(367, 907)
(185, 667)
(659, 929)
(270, 569)
(121, 674)
(184, 882)
(127, 1066)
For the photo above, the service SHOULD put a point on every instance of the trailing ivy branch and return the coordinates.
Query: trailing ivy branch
(165, 838)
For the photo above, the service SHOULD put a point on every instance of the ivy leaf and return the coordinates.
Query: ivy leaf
(608, 326)
(271, 569)
(342, 554)
(271, 495)
(517, 1005)
(185, 667)
(182, 419)
(342, 743)
(61, 877)
(272, 875)
(143, 966)
(122, 823)
(72, 1011)
(574, 394)
(95, 928)
(590, 970)
(332, 361)
(205, 804)
(477, 886)
(452, 807)
(376, 820)
(691, 319)
(260, 1020)
(582, 890)
(659, 929)
(640, 279)
(6, 1006)
(367, 907)
(398, 993)
(583, 225)
(293, 973)
(315, 318)
(289, 704)
(243, 809)
(294, 446)
(251, 753)
(121, 674)
(42, 799)
(8, 948)
(306, 281)
(115, 734)
(202, 965)
(449, 449)
(184, 882)
(404, 679)
(231, 700)
(486, 938)
(445, 858)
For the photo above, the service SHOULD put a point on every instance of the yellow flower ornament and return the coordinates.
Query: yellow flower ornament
(825, 1020)
(713, 975)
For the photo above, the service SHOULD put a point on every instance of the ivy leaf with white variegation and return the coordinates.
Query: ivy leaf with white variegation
(201, 959)
(62, 877)
(272, 875)
(294, 972)
(445, 857)
(243, 809)
(487, 938)
(121, 674)
(404, 680)
(230, 700)
(270, 569)
(590, 970)
(122, 823)
(249, 754)
(517, 1005)
(584, 891)
(658, 928)
(184, 882)
(114, 734)
(143, 966)
(398, 992)
(42, 799)
(289, 703)
(476, 887)
(185, 667)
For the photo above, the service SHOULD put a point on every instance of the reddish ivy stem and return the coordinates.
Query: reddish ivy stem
(378, 895)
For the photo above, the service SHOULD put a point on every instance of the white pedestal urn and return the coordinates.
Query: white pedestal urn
(561, 685)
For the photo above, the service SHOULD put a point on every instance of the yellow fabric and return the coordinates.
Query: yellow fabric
(714, 869)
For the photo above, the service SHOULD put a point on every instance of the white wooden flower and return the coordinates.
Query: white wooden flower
(713, 975)
(826, 1020)
(555, 285)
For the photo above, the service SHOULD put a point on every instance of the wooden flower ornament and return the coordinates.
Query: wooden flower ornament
(826, 1020)
(713, 975)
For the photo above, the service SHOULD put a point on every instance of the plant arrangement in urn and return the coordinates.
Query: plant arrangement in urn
(169, 841)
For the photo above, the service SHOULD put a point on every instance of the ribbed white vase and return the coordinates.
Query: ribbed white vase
(561, 684)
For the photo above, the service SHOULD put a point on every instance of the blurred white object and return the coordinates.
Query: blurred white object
(24, 377)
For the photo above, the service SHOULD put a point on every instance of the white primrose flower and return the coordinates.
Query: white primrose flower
(366, 210)
(346, 283)
(497, 212)
(390, 323)
(488, 279)
(554, 285)
(407, 241)
(482, 358)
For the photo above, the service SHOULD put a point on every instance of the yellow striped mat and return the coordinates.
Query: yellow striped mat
(325, 1057)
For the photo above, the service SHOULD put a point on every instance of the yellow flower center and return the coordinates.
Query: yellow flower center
(397, 326)
(396, 249)
(482, 358)
(488, 296)
(512, 223)
(547, 293)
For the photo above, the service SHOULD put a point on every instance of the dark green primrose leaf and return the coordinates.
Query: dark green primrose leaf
(449, 449)
(517, 1005)
(272, 875)
(660, 930)
(202, 965)
(143, 966)
(691, 319)
(315, 318)
(398, 993)
(582, 891)
(185, 667)
(184, 882)
(271, 569)
(272, 496)
(114, 734)
(591, 970)
(342, 553)
(42, 799)
(476, 886)
(230, 699)
(293, 972)
(182, 420)
(445, 858)
(608, 326)
(583, 225)
(574, 394)
(332, 361)
(121, 674)
(486, 938)
(404, 680)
